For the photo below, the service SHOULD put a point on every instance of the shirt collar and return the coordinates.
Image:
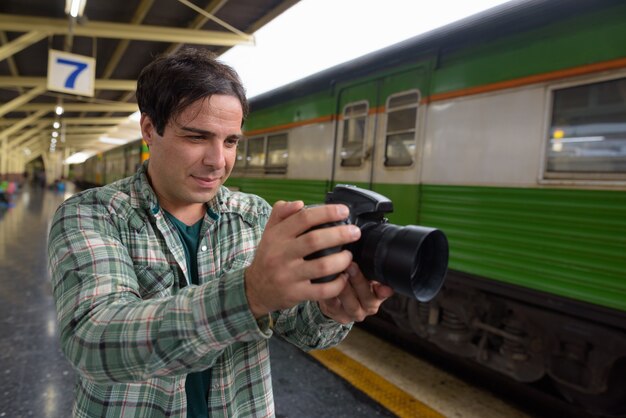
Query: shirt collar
(143, 196)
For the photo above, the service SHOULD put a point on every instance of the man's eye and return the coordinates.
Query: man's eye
(232, 142)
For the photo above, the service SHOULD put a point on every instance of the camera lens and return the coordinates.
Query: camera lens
(413, 260)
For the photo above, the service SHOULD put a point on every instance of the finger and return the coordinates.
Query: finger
(382, 291)
(293, 218)
(327, 290)
(350, 304)
(315, 216)
(328, 265)
(282, 210)
(361, 286)
(361, 300)
(325, 238)
(330, 307)
(333, 309)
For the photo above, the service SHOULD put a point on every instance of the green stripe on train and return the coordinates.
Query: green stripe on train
(570, 243)
(592, 38)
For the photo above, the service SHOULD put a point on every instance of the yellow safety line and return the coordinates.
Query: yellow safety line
(376, 387)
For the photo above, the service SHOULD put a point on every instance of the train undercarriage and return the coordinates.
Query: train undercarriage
(527, 336)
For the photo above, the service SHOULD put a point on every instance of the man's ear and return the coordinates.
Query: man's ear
(148, 130)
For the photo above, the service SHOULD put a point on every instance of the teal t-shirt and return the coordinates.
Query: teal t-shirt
(196, 384)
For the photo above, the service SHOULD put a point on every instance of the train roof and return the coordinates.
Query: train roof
(508, 18)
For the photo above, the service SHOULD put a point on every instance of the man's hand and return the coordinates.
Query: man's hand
(279, 276)
(359, 298)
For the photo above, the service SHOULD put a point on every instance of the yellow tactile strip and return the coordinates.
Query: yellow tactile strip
(376, 387)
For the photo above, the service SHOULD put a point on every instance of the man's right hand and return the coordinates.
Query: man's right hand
(279, 276)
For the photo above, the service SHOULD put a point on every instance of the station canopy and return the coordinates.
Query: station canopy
(114, 39)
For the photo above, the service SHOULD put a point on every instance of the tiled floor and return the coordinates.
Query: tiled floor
(35, 378)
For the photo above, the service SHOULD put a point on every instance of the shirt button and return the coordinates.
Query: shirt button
(204, 247)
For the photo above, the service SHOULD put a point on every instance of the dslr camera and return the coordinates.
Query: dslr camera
(412, 260)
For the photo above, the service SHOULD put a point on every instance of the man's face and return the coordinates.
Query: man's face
(196, 152)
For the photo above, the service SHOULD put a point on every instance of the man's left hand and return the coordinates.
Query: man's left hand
(359, 299)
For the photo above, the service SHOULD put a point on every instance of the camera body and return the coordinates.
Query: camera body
(413, 259)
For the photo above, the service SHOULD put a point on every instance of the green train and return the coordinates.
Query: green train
(506, 130)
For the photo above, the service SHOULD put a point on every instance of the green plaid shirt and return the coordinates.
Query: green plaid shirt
(133, 327)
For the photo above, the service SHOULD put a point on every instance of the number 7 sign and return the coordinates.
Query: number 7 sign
(71, 73)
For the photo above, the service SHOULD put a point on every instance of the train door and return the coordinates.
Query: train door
(379, 136)
(354, 135)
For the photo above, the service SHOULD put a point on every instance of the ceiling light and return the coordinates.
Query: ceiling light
(79, 157)
(112, 141)
(56, 125)
(59, 110)
(135, 117)
(75, 8)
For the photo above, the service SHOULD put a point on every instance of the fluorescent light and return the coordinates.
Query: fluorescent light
(112, 141)
(75, 8)
(78, 157)
(579, 139)
(135, 117)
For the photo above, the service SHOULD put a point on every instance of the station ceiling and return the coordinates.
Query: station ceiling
(122, 36)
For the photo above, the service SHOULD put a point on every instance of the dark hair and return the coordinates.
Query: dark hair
(172, 82)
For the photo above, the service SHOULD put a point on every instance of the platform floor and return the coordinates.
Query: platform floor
(37, 381)
(377, 379)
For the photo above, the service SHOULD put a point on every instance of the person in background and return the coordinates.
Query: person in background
(168, 286)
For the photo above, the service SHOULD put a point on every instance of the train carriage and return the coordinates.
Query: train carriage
(506, 130)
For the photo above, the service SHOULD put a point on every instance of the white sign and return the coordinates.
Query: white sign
(71, 73)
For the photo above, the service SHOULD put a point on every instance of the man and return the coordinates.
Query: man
(168, 286)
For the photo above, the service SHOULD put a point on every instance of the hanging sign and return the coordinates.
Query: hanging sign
(71, 73)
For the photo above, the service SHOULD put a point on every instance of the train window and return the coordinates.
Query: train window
(354, 124)
(267, 153)
(401, 129)
(241, 153)
(256, 152)
(587, 133)
(277, 152)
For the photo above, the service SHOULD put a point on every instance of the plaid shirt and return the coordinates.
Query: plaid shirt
(133, 327)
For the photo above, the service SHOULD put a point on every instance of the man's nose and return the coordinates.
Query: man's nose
(214, 155)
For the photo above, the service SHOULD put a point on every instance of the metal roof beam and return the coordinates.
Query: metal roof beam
(20, 43)
(81, 107)
(100, 84)
(94, 121)
(82, 129)
(35, 139)
(72, 121)
(36, 130)
(140, 13)
(20, 23)
(29, 120)
(20, 100)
